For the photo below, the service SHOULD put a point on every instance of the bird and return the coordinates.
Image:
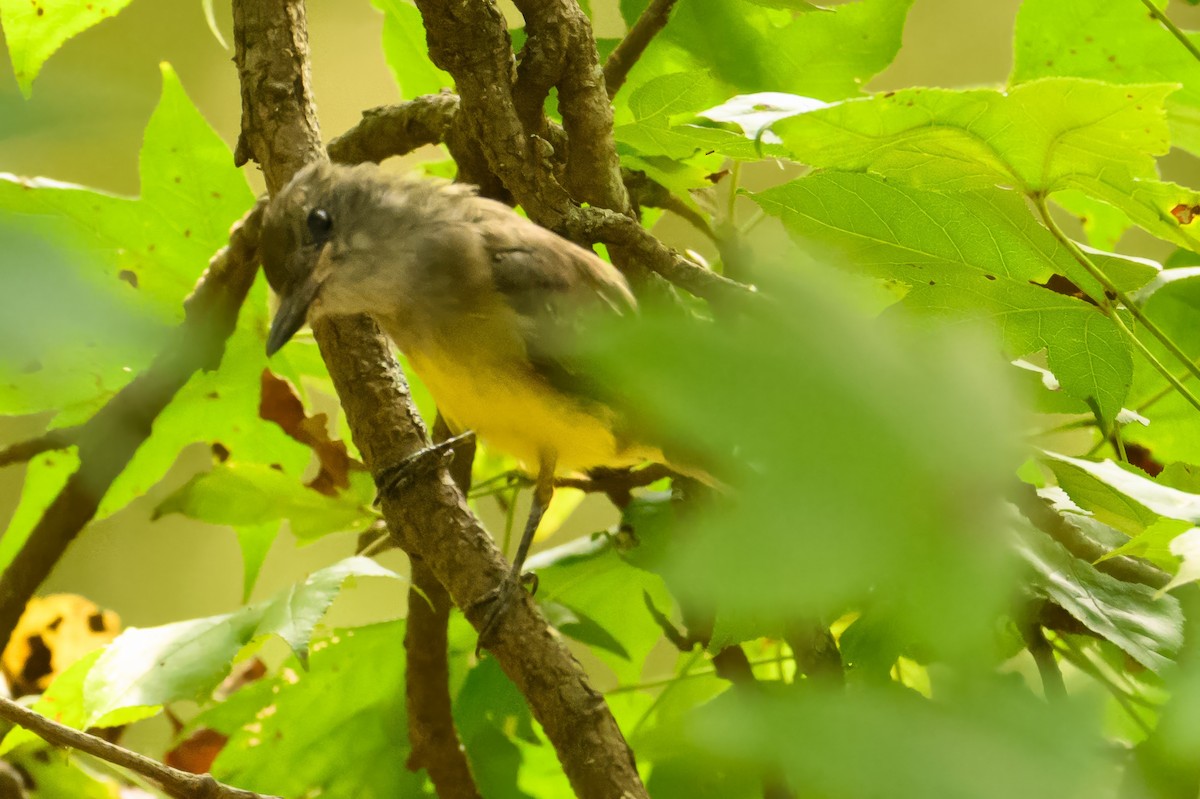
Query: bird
(485, 305)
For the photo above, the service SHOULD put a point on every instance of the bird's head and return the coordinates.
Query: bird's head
(317, 244)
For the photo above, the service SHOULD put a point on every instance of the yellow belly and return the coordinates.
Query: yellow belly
(513, 411)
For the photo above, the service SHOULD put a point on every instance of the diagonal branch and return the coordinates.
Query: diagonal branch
(109, 439)
(175, 783)
(24, 451)
(626, 54)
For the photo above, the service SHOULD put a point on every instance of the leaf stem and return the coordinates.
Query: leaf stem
(1155, 362)
(1134, 311)
(1158, 14)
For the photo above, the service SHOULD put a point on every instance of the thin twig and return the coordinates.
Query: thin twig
(1135, 311)
(1043, 655)
(626, 54)
(1158, 14)
(597, 224)
(24, 451)
(176, 783)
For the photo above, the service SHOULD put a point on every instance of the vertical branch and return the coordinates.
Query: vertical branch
(279, 119)
(431, 522)
(435, 743)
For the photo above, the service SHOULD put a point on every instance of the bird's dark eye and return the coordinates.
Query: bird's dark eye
(319, 224)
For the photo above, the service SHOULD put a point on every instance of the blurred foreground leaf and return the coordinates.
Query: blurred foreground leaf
(888, 444)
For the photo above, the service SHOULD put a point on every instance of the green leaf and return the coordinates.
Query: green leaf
(1147, 626)
(1153, 544)
(595, 596)
(45, 476)
(826, 55)
(406, 52)
(656, 106)
(1119, 496)
(150, 252)
(898, 232)
(1084, 349)
(145, 668)
(54, 774)
(1103, 224)
(1116, 42)
(575, 624)
(663, 99)
(247, 494)
(1038, 137)
(35, 30)
(994, 741)
(323, 719)
(293, 613)
(826, 408)
(70, 333)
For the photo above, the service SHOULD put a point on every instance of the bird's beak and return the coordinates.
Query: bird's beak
(292, 313)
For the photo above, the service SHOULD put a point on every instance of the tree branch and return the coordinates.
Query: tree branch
(278, 116)
(24, 451)
(626, 54)
(175, 783)
(593, 169)
(470, 41)
(597, 224)
(435, 743)
(1043, 655)
(109, 439)
(396, 129)
(431, 521)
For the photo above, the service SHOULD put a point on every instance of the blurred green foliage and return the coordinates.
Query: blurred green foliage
(869, 461)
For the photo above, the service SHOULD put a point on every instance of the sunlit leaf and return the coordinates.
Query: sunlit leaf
(35, 30)
(185, 660)
(1116, 42)
(1134, 617)
(317, 721)
(827, 55)
(406, 52)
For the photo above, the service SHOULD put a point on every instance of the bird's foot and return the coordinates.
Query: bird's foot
(398, 477)
(500, 599)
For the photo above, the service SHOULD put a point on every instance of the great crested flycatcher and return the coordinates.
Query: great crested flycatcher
(483, 303)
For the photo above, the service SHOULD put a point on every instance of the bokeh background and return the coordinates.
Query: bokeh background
(84, 124)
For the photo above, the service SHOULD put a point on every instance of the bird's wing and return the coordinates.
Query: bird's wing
(556, 289)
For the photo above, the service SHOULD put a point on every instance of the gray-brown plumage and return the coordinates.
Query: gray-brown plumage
(483, 303)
